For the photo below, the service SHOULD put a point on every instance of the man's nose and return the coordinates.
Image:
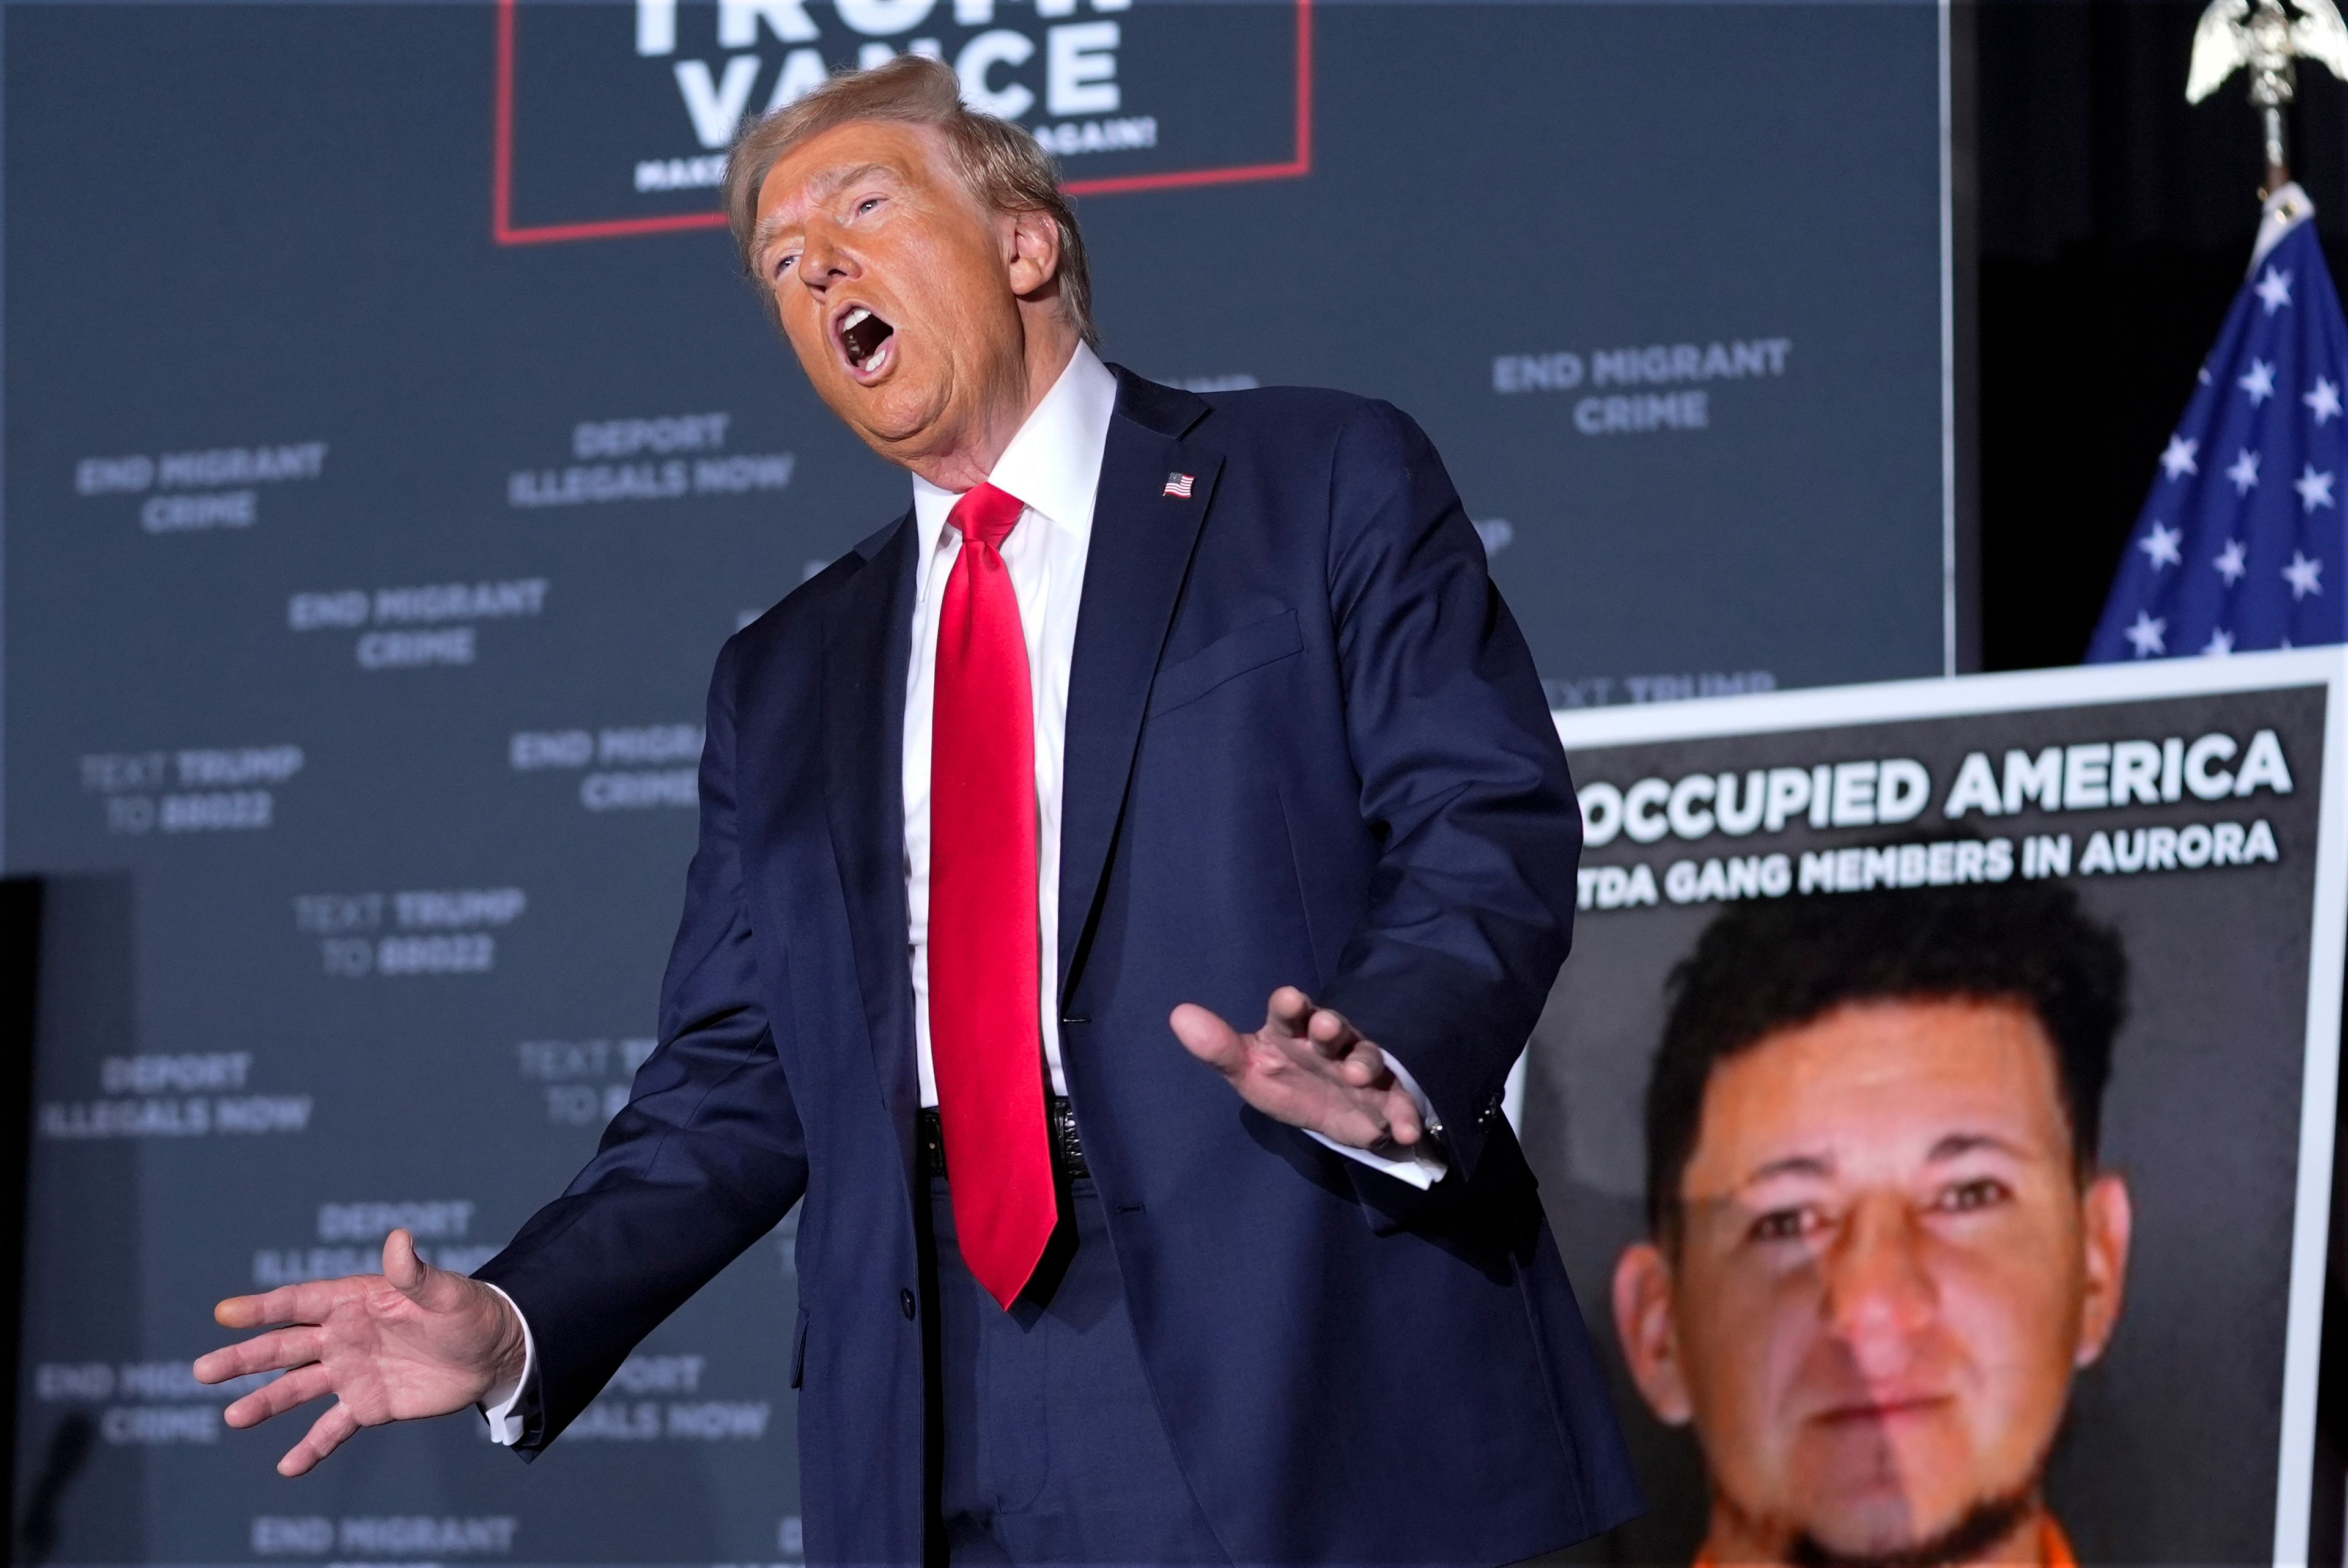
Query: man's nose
(1879, 1292)
(822, 260)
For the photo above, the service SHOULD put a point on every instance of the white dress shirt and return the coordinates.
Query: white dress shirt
(1052, 466)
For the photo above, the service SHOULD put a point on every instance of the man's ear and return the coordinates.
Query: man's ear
(2107, 1221)
(1031, 245)
(1642, 1317)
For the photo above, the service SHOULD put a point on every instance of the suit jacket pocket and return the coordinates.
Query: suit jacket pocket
(1258, 643)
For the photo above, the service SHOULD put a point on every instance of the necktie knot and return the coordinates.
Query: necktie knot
(986, 516)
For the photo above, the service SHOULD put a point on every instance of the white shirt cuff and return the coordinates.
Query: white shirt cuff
(1420, 1165)
(498, 1404)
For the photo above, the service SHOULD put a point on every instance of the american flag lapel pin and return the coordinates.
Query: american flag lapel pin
(1179, 484)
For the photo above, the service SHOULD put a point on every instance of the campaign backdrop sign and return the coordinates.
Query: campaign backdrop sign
(2183, 820)
(1134, 99)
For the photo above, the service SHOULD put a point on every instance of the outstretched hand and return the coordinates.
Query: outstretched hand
(1310, 1067)
(410, 1342)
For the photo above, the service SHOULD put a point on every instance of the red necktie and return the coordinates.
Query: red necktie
(986, 1028)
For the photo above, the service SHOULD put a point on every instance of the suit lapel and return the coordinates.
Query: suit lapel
(865, 660)
(1134, 570)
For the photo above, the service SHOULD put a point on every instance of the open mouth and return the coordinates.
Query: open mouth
(867, 341)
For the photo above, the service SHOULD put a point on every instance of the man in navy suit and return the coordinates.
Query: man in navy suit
(1086, 1273)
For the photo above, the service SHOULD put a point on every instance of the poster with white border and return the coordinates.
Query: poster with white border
(1848, 1266)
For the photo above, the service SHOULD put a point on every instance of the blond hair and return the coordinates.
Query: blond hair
(1004, 166)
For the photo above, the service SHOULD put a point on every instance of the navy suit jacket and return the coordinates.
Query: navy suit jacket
(1305, 745)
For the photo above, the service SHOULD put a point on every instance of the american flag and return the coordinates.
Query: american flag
(2242, 543)
(1179, 484)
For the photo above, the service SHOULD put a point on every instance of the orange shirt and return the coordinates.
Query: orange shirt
(2053, 1547)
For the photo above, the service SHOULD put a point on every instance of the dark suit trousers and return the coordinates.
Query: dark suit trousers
(1053, 1449)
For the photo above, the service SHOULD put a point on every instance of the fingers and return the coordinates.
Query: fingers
(434, 1289)
(1315, 1071)
(1357, 1063)
(1332, 1034)
(401, 1266)
(1404, 1123)
(1289, 1012)
(326, 1434)
(265, 1353)
(1206, 1036)
(274, 1399)
(305, 1303)
(1393, 1122)
(1292, 1014)
(1363, 1065)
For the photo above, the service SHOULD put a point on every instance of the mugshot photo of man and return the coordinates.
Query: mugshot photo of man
(1880, 1242)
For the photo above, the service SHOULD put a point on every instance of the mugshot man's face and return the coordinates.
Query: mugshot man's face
(1886, 1273)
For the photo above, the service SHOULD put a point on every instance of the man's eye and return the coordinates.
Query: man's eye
(1787, 1224)
(783, 264)
(1984, 1192)
(867, 205)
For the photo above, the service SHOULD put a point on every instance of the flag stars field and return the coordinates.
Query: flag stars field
(2304, 575)
(2314, 489)
(2271, 418)
(2147, 633)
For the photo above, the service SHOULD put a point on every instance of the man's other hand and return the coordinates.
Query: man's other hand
(1311, 1069)
(412, 1342)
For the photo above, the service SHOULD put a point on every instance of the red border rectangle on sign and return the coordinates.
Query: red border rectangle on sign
(504, 230)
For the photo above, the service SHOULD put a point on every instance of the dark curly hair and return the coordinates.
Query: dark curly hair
(1776, 963)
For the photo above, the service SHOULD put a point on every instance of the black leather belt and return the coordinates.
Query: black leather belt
(1059, 1115)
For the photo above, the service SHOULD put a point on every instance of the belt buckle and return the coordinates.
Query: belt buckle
(1067, 1143)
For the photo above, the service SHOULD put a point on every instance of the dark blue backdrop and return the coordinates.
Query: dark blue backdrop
(389, 445)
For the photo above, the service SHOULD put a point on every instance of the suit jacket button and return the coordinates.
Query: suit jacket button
(905, 1300)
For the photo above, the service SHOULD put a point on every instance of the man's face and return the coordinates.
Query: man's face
(1887, 1273)
(898, 291)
